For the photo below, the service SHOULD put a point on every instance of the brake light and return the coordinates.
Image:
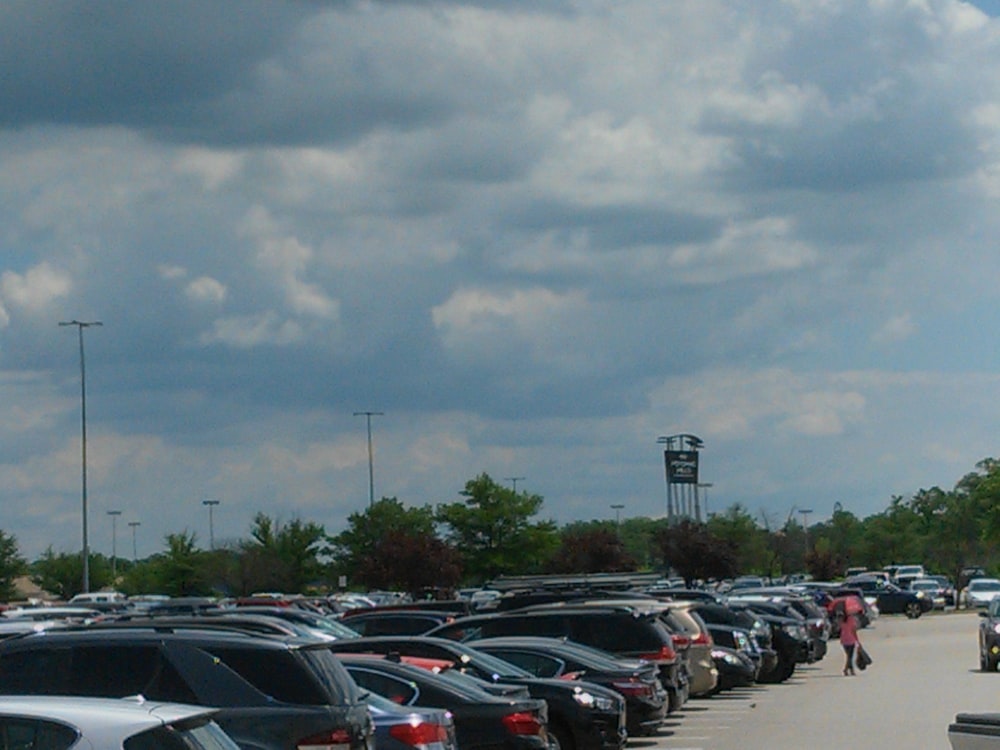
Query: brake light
(421, 733)
(571, 676)
(522, 722)
(633, 688)
(335, 739)
(704, 638)
(680, 641)
(666, 653)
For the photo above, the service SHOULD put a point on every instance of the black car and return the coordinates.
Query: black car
(989, 637)
(581, 715)
(736, 669)
(271, 693)
(788, 636)
(646, 701)
(483, 720)
(738, 639)
(892, 600)
(619, 629)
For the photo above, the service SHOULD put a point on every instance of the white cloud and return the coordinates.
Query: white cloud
(248, 331)
(35, 290)
(206, 289)
(897, 328)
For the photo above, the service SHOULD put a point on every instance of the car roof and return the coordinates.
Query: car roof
(133, 714)
(156, 631)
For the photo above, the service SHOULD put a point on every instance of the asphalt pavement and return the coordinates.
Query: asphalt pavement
(925, 671)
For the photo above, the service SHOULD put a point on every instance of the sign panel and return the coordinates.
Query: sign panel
(682, 466)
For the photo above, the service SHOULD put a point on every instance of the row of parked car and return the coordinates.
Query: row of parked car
(584, 670)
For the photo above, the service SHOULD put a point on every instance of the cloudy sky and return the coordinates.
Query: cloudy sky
(535, 236)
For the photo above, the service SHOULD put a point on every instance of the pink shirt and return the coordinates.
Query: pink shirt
(849, 631)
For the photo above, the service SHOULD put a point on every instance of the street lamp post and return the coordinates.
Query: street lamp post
(134, 525)
(617, 507)
(211, 523)
(371, 456)
(114, 544)
(514, 481)
(80, 325)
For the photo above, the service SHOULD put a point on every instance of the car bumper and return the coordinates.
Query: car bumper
(975, 732)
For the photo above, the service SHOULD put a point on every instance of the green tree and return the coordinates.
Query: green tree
(750, 543)
(284, 557)
(62, 574)
(353, 548)
(179, 570)
(493, 529)
(12, 565)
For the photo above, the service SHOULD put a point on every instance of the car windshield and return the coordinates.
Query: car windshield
(984, 586)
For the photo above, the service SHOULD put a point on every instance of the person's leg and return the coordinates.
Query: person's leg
(849, 659)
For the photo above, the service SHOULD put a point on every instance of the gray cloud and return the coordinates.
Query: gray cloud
(536, 239)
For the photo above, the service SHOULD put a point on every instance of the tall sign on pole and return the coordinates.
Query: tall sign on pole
(680, 458)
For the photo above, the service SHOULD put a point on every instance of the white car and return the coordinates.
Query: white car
(62, 723)
(979, 592)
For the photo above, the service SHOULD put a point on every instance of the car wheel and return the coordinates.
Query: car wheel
(914, 610)
(561, 738)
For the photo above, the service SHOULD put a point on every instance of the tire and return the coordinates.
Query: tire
(562, 736)
(781, 672)
(913, 610)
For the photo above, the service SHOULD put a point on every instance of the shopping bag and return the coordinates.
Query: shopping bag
(863, 658)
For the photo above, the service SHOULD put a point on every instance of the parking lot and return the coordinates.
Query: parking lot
(925, 671)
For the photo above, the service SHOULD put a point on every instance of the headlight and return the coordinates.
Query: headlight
(796, 631)
(589, 700)
(727, 657)
(996, 627)
(921, 594)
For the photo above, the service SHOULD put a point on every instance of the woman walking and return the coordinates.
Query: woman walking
(849, 640)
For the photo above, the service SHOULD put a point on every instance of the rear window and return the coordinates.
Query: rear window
(277, 674)
(99, 671)
(36, 733)
(196, 735)
(621, 633)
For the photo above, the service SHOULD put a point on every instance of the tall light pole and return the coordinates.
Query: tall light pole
(211, 523)
(134, 525)
(513, 481)
(80, 325)
(617, 507)
(114, 544)
(371, 456)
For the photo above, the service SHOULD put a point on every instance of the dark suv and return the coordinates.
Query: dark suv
(989, 637)
(272, 694)
(619, 629)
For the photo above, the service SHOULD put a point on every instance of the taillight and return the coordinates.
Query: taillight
(421, 733)
(335, 739)
(680, 641)
(666, 653)
(522, 722)
(704, 638)
(571, 676)
(634, 688)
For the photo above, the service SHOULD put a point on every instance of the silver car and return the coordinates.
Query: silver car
(62, 723)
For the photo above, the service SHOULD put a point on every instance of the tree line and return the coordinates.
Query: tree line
(495, 531)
